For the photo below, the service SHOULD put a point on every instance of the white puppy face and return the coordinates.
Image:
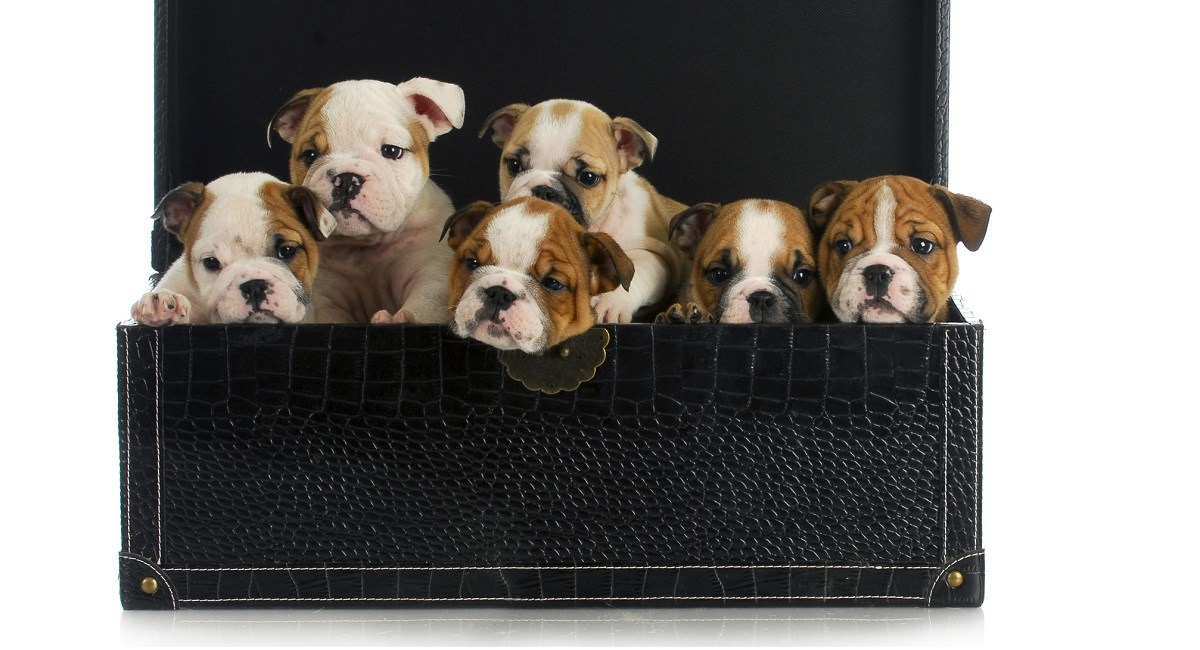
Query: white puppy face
(250, 251)
(363, 146)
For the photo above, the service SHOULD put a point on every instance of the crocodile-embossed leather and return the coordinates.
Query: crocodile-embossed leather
(356, 464)
(366, 466)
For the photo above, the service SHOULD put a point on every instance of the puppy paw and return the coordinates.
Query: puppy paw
(614, 307)
(690, 314)
(159, 308)
(382, 317)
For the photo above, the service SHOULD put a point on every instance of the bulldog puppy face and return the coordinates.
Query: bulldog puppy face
(250, 246)
(752, 261)
(887, 249)
(363, 146)
(524, 273)
(567, 152)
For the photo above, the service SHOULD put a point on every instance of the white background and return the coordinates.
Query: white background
(1076, 122)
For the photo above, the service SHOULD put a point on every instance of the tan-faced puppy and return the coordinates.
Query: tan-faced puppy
(525, 273)
(573, 154)
(753, 261)
(363, 148)
(249, 253)
(887, 247)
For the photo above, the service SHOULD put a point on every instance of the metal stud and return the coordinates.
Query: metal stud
(954, 579)
(149, 585)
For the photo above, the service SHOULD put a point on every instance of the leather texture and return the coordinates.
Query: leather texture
(357, 464)
(361, 466)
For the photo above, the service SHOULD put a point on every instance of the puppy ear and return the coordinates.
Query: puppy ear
(688, 227)
(286, 121)
(439, 106)
(460, 224)
(177, 208)
(825, 201)
(634, 143)
(318, 219)
(969, 217)
(501, 123)
(612, 266)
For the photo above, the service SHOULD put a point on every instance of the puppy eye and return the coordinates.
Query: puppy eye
(803, 276)
(717, 275)
(587, 178)
(285, 252)
(211, 263)
(391, 151)
(552, 284)
(843, 246)
(309, 156)
(471, 263)
(514, 166)
(921, 246)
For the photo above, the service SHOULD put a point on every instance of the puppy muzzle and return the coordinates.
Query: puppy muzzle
(880, 288)
(256, 291)
(502, 308)
(758, 300)
(547, 186)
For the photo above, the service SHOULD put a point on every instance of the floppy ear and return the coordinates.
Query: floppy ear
(611, 265)
(439, 106)
(179, 206)
(634, 143)
(460, 224)
(501, 123)
(286, 121)
(318, 219)
(688, 227)
(969, 217)
(825, 201)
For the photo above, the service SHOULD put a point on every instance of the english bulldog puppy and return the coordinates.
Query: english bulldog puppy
(887, 252)
(525, 273)
(753, 261)
(573, 154)
(250, 253)
(363, 148)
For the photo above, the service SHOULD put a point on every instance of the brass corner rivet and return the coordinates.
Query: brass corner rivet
(149, 585)
(565, 352)
(954, 579)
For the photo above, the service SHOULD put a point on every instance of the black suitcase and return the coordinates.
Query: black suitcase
(331, 465)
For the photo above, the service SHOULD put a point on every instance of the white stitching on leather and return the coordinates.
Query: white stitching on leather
(946, 443)
(556, 599)
(158, 506)
(562, 568)
(128, 444)
(938, 577)
(978, 399)
(158, 572)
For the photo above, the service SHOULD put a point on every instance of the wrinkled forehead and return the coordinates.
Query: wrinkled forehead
(246, 216)
(556, 131)
(349, 113)
(879, 202)
(515, 235)
(761, 236)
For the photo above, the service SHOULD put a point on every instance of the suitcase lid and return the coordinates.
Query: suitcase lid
(746, 99)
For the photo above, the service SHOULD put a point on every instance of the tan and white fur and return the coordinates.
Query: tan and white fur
(573, 154)
(363, 148)
(753, 261)
(887, 252)
(525, 273)
(250, 253)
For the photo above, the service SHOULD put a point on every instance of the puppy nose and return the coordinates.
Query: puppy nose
(877, 277)
(254, 291)
(346, 186)
(547, 193)
(499, 297)
(760, 302)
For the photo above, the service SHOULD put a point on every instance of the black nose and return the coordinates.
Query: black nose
(498, 297)
(877, 277)
(346, 186)
(760, 303)
(254, 291)
(547, 193)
